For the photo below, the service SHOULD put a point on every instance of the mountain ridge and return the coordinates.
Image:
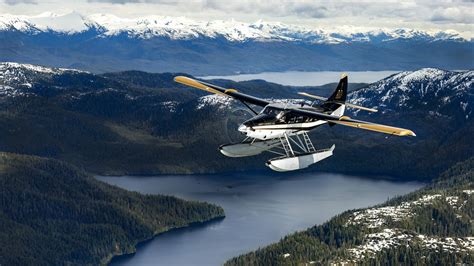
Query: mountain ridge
(105, 43)
(182, 28)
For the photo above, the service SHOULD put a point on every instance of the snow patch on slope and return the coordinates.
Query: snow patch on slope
(386, 236)
(21, 76)
(389, 238)
(214, 100)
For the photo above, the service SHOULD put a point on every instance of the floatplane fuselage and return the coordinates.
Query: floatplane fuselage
(282, 128)
(278, 120)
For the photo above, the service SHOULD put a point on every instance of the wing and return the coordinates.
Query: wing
(347, 121)
(221, 91)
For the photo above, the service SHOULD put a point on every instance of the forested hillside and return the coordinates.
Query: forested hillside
(142, 123)
(52, 213)
(432, 226)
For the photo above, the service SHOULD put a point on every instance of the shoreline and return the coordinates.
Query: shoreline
(369, 176)
(139, 243)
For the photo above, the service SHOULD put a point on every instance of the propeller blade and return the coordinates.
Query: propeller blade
(313, 96)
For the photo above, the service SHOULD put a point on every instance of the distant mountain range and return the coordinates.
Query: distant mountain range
(140, 123)
(104, 43)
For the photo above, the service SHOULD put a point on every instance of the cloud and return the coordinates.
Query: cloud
(169, 2)
(16, 2)
(308, 9)
(453, 14)
(326, 9)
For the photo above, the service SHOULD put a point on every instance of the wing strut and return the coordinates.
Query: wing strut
(248, 106)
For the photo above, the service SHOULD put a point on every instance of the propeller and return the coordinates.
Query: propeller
(235, 116)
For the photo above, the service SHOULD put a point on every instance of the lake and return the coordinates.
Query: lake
(260, 209)
(309, 78)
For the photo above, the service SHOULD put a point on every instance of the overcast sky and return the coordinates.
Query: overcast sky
(425, 15)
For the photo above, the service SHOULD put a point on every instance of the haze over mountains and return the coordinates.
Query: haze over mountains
(104, 43)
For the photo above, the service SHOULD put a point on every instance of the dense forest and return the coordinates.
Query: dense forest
(52, 213)
(432, 226)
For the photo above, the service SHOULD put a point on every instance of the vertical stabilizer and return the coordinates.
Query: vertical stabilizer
(340, 94)
(335, 104)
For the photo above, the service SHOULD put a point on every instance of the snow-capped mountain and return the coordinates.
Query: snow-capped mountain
(438, 91)
(181, 28)
(105, 43)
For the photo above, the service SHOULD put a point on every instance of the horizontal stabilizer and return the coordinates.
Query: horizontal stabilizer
(313, 96)
(361, 107)
(347, 104)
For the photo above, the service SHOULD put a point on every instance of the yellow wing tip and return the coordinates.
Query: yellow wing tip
(180, 78)
(343, 75)
(407, 132)
(230, 90)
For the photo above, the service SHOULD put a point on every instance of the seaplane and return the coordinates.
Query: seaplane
(282, 127)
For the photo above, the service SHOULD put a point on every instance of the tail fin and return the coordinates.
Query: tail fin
(340, 94)
(335, 104)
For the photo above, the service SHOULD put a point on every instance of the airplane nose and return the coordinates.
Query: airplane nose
(242, 128)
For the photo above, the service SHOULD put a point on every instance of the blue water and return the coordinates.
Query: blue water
(310, 78)
(260, 209)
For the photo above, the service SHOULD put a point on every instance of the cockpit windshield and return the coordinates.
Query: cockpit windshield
(274, 115)
(270, 110)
